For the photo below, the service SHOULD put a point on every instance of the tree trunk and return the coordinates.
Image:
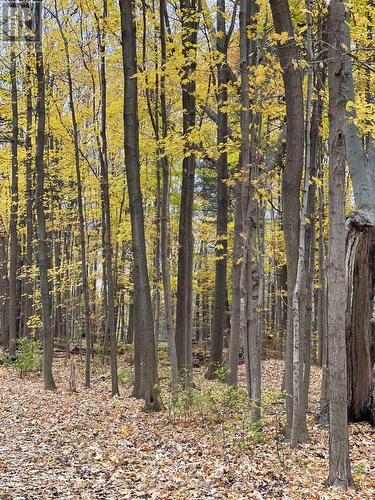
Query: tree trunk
(183, 331)
(4, 312)
(13, 250)
(301, 341)
(42, 257)
(130, 330)
(142, 297)
(218, 326)
(360, 264)
(339, 465)
(360, 322)
(106, 210)
(250, 216)
(291, 180)
(164, 222)
(234, 338)
(28, 289)
(85, 286)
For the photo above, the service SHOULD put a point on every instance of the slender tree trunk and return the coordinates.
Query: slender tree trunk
(339, 466)
(245, 158)
(81, 217)
(218, 326)
(291, 181)
(250, 216)
(142, 296)
(42, 256)
(13, 250)
(234, 338)
(108, 249)
(130, 330)
(28, 290)
(183, 331)
(301, 350)
(164, 222)
(4, 312)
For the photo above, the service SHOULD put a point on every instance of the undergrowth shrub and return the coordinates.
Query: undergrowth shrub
(29, 356)
(224, 411)
(125, 376)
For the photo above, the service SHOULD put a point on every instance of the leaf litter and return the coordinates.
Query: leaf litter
(88, 445)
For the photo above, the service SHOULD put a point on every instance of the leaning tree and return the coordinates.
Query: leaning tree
(360, 261)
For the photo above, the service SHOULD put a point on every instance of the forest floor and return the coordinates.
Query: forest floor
(89, 445)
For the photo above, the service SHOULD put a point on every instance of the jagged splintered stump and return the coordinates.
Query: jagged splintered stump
(360, 319)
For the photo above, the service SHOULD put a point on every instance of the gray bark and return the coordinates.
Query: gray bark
(291, 180)
(339, 465)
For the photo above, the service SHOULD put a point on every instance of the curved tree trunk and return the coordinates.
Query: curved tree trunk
(360, 264)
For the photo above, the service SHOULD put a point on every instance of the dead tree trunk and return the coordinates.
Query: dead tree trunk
(360, 321)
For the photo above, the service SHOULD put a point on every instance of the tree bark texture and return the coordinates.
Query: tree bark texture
(142, 297)
(218, 325)
(43, 257)
(183, 331)
(291, 180)
(339, 465)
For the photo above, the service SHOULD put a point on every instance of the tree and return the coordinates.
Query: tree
(85, 286)
(222, 42)
(4, 312)
(339, 466)
(148, 384)
(183, 332)
(109, 289)
(28, 288)
(360, 250)
(291, 179)
(164, 220)
(42, 256)
(13, 236)
(249, 280)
